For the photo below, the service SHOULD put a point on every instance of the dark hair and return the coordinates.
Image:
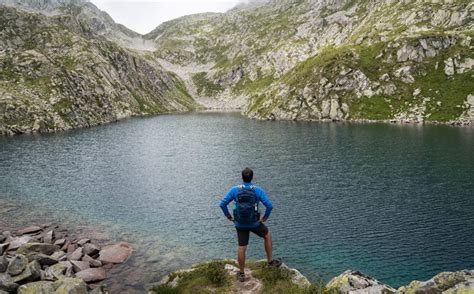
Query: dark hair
(247, 175)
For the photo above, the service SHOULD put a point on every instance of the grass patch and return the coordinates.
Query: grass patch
(205, 278)
(204, 86)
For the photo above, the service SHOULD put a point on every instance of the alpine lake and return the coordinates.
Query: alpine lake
(393, 201)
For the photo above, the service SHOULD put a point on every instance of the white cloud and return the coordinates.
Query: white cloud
(144, 15)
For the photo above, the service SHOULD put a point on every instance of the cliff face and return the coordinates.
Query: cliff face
(57, 73)
(329, 59)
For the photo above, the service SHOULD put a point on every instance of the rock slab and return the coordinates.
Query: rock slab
(117, 253)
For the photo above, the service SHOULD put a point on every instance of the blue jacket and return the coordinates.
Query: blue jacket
(261, 196)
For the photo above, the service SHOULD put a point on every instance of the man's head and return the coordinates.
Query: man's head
(247, 175)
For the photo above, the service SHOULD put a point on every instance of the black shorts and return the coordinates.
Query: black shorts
(243, 234)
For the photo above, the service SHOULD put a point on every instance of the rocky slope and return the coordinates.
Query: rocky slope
(57, 73)
(406, 60)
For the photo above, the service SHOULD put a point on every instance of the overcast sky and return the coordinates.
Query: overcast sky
(143, 16)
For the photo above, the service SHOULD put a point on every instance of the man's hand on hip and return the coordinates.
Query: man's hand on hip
(263, 220)
(230, 218)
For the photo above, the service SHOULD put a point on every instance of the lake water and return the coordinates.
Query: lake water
(393, 201)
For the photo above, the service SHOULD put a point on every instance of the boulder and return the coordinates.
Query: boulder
(116, 253)
(17, 242)
(63, 285)
(58, 255)
(355, 282)
(83, 241)
(42, 248)
(3, 264)
(54, 272)
(36, 288)
(17, 265)
(76, 255)
(30, 274)
(69, 269)
(60, 242)
(92, 275)
(90, 249)
(29, 230)
(91, 261)
(48, 237)
(70, 286)
(2, 238)
(80, 265)
(7, 284)
(446, 282)
(42, 259)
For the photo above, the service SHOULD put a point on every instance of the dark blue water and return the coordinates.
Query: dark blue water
(396, 202)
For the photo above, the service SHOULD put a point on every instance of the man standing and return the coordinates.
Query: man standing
(247, 219)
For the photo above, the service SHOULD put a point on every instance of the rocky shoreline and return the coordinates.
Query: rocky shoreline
(49, 259)
(349, 282)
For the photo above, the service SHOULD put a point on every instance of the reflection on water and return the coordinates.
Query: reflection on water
(393, 201)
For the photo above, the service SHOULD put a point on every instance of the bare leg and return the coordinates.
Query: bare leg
(241, 258)
(268, 246)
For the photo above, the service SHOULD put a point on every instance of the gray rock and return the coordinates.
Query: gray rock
(83, 241)
(76, 255)
(29, 230)
(58, 255)
(3, 264)
(445, 282)
(90, 249)
(30, 274)
(43, 248)
(39, 287)
(92, 275)
(91, 261)
(2, 238)
(60, 242)
(357, 283)
(48, 237)
(7, 284)
(42, 259)
(62, 285)
(17, 242)
(17, 264)
(54, 272)
(80, 265)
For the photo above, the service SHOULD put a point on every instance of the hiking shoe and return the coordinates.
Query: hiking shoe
(241, 277)
(276, 263)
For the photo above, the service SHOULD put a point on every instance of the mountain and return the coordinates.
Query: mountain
(57, 74)
(391, 60)
(66, 64)
(88, 16)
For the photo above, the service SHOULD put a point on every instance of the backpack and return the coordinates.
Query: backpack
(246, 206)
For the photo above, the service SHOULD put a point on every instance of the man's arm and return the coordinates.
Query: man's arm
(224, 202)
(268, 204)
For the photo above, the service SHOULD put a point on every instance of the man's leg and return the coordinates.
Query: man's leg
(267, 240)
(241, 258)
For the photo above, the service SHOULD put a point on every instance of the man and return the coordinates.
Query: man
(247, 217)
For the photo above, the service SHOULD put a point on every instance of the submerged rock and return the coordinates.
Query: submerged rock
(355, 282)
(92, 275)
(117, 253)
